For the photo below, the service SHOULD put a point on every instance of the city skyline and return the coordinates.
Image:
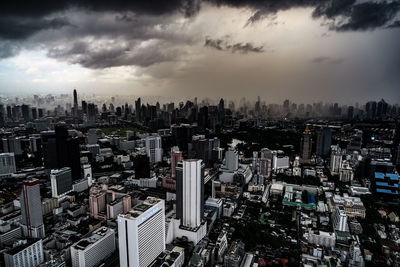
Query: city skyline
(335, 51)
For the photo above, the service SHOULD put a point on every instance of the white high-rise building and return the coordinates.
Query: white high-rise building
(141, 233)
(336, 160)
(339, 219)
(61, 182)
(346, 173)
(87, 174)
(26, 253)
(232, 159)
(190, 192)
(153, 148)
(92, 250)
(7, 164)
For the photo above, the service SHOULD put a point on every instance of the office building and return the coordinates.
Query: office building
(142, 233)
(346, 173)
(336, 160)
(26, 253)
(306, 144)
(61, 181)
(87, 174)
(153, 148)
(324, 141)
(176, 156)
(264, 167)
(339, 219)
(7, 165)
(31, 209)
(61, 150)
(190, 192)
(231, 159)
(97, 203)
(94, 249)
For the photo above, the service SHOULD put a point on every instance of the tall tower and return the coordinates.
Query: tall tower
(138, 105)
(31, 209)
(75, 104)
(306, 143)
(176, 156)
(142, 233)
(324, 141)
(190, 192)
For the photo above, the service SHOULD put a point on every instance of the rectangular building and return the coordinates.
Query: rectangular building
(92, 250)
(142, 233)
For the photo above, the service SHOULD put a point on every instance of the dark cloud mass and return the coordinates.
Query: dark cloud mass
(14, 28)
(328, 60)
(141, 29)
(224, 45)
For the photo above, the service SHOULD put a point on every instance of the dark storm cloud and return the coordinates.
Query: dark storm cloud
(224, 45)
(114, 55)
(80, 31)
(395, 24)
(366, 16)
(21, 19)
(345, 15)
(14, 28)
(8, 49)
(45, 7)
(328, 60)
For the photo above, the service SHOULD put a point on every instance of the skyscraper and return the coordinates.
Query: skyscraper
(138, 105)
(61, 181)
(190, 192)
(92, 250)
(31, 209)
(61, 150)
(231, 159)
(75, 104)
(141, 233)
(306, 143)
(324, 141)
(176, 156)
(7, 164)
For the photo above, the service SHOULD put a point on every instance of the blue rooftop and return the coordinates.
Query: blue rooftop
(385, 184)
(393, 176)
(386, 191)
(382, 176)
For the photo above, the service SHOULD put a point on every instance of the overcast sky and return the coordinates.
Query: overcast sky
(303, 50)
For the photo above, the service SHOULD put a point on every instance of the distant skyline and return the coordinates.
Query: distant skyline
(342, 51)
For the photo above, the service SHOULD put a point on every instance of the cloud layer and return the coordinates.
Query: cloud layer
(205, 46)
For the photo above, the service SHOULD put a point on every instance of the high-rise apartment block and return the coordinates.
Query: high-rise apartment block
(142, 233)
(31, 209)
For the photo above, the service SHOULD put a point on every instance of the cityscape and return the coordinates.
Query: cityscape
(199, 133)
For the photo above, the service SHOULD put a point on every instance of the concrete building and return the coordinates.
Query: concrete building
(321, 238)
(92, 250)
(339, 219)
(7, 164)
(231, 159)
(190, 192)
(306, 144)
(336, 160)
(153, 148)
(176, 156)
(31, 209)
(61, 181)
(26, 253)
(142, 233)
(346, 173)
